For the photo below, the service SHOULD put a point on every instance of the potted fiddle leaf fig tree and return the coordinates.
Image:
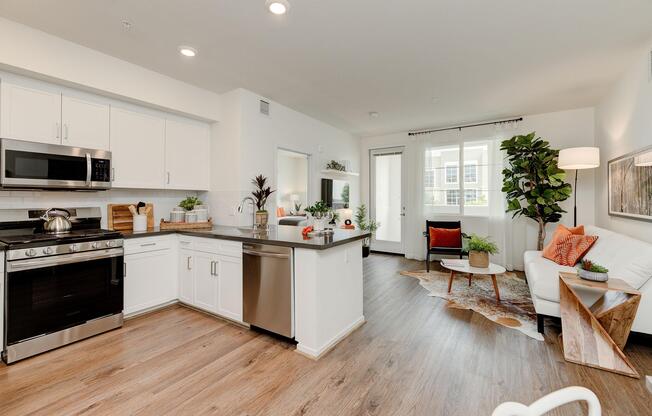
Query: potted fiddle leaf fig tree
(365, 224)
(533, 182)
(261, 193)
(479, 249)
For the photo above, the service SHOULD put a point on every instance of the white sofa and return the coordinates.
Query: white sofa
(625, 257)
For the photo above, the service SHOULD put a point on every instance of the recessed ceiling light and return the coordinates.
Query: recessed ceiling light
(278, 6)
(373, 114)
(187, 51)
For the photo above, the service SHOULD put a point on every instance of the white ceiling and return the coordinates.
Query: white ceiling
(337, 60)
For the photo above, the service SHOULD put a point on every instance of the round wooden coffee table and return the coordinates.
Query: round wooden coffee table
(462, 266)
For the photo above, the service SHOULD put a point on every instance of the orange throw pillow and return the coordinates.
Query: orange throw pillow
(571, 248)
(560, 232)
(579, 230)
(445, 237)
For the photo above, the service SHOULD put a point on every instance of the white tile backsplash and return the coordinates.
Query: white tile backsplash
(163, 200)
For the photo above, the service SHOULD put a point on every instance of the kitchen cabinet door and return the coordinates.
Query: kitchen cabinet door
(149, 280)
(30, 111)
(186, 277)
(229, 275)
(187, 155)
(85, 123)
(206, 283)
(137, 146)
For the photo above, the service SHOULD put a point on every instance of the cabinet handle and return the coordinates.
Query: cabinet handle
(188, 263)
(148, 244)
(124, 269)
(112, 174)
(214, 268)
(168, 173)
(65, 132)
(57, 128)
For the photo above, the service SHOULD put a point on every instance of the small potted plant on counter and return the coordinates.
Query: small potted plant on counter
(479, 249)
(592, 271)
(365, 224)
(321, 215)
(260, 194)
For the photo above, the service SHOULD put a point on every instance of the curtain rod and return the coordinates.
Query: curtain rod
(488, 123)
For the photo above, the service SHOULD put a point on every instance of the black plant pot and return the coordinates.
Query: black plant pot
(366, 250)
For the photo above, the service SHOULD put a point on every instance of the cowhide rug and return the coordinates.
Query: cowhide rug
(515, 310)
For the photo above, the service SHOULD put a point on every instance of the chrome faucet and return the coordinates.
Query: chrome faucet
(253, 209)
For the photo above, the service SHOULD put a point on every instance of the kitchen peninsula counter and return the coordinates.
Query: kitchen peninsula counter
(279, 235)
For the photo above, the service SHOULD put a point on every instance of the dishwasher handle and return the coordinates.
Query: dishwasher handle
(257, 253)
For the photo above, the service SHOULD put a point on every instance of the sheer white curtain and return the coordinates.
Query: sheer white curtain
(475, 198)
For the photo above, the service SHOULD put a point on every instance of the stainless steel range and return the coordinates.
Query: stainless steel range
(59, 287)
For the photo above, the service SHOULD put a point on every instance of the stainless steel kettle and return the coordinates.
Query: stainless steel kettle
(57, 221)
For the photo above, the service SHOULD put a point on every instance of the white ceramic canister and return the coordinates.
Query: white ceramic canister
(202, 213)
(140, 222)
(177, 215)
(191, 216)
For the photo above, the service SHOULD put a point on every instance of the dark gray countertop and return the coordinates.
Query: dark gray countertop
(279, 235)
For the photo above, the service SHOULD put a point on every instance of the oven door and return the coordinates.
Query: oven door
(43, 166)
(49, 294)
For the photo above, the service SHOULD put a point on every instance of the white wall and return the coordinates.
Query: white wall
(562, 129)
(163, 201)
(624, 124)
(37, 54)
(259, 139)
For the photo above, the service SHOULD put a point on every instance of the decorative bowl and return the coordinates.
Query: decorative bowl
(593, 276)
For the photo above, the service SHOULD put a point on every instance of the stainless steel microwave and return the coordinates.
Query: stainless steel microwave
(30, 165)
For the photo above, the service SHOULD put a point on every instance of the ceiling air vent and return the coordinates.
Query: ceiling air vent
(264, 107)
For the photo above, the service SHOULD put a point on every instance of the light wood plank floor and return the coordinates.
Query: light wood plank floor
(413, 357)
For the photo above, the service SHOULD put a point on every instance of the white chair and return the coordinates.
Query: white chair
(551, 401)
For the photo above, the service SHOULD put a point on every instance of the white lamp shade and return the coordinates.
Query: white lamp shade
(579, 158)
(643, 160)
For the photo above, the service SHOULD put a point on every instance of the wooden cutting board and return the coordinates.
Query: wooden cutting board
(120, 218)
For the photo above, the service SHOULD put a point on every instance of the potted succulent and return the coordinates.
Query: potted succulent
(189, 203)
(479, 249)
(365, 224)
(261, 194)
(592, 271)
(321, 214)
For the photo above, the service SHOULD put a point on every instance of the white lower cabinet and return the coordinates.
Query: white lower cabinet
(204, 273)
(229, 277)
(211, 281)
(206, 284)
(186, 279)
(150, 279)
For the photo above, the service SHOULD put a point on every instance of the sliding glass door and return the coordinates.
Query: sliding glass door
(387, 205)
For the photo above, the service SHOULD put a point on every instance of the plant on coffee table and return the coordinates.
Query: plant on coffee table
(479, 249)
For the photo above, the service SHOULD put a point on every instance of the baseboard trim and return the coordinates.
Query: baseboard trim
(316, 354)
(151, 309)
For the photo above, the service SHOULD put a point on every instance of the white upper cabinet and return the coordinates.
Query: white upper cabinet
(30, 111)
(187, 155)
(138, 149)
(85, 122)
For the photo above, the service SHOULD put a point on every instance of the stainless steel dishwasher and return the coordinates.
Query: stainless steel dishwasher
(268, 288)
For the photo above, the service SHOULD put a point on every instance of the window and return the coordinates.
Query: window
(451, 172)
(449, 188)
(429, 178)
(471, 172)
(470, 196)
(452, 197)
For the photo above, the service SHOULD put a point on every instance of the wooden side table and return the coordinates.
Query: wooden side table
(595, 335)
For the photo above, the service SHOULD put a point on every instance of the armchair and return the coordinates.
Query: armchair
(459, 250)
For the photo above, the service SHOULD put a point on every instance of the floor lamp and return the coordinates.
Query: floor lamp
(578, 158)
